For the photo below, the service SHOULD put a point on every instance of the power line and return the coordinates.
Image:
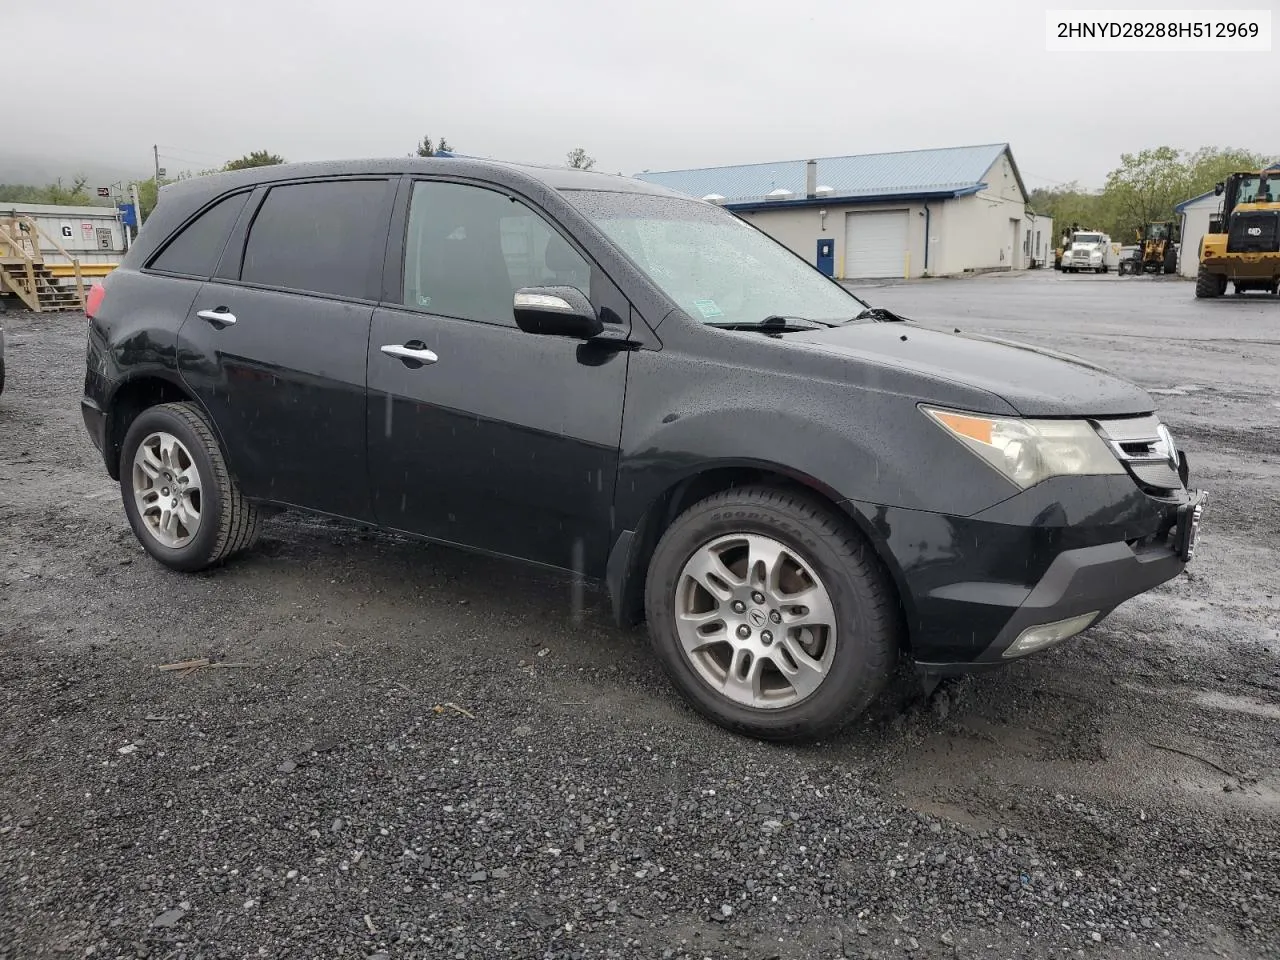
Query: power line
(191, 153)
(176, 158)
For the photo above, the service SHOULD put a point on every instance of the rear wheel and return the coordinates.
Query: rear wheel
(1209, 285)
(770, 614)
(178, 494)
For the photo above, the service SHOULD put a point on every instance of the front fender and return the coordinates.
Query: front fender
(848, 441)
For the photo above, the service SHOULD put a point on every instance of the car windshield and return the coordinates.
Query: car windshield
(715, 267)
(1088, 238)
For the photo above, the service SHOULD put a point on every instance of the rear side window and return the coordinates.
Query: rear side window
(325, 237)
(195, 251)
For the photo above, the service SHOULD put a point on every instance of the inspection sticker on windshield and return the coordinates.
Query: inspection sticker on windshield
(708, 308)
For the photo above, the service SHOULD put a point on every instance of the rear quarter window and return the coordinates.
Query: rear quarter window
(195, 251)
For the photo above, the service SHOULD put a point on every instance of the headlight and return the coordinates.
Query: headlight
(1028, 451)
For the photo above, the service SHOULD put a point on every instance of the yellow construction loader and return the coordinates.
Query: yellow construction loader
(1243, 242)
(1158, 253)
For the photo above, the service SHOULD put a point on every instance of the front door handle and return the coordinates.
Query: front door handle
(406, 352)
(219, 315)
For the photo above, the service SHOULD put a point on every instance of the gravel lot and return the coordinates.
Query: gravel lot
(425, 754)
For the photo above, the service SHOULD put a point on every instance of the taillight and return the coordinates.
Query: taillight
(94, 300)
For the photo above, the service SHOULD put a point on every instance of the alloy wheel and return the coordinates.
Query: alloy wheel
(755, 621)
(167, 489)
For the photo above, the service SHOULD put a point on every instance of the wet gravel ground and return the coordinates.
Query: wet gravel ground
(405, 751)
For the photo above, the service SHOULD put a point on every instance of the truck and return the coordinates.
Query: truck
(1243, 242)
(1088, 250)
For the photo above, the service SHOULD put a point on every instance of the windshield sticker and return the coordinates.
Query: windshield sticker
(708, 308)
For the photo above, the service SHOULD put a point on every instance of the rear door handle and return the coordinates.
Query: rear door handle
(406, 352)
(219, 315)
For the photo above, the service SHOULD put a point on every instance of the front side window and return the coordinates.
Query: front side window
(469, 249)
(195, 251)
(325, 237)
(714, 266)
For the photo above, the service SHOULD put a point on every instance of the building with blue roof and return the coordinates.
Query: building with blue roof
(877, 215)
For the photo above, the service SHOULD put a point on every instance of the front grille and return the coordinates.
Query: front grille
(1146, 449)
(1254, 231)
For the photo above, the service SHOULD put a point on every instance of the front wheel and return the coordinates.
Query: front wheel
(1209, 285)
(178, 494)
(770, 614)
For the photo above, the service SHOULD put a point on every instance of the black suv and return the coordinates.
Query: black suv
(595, 374)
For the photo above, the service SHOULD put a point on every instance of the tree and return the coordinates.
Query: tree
(426, 149)
(54, 193)
(579, 160)
(148, 196)
(1146, 186)
(1072, 204)
(1209, 165)
(258, 158)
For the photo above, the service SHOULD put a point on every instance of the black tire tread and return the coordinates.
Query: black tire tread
(858, 558)
(240, 521)
(1207, 284)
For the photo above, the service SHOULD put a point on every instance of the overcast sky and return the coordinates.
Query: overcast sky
(655, 84)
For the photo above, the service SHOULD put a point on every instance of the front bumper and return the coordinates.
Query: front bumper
(971, 586)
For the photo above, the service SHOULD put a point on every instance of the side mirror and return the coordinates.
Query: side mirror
(1218, 188)
(556, 312)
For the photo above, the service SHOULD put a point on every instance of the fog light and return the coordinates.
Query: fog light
(1047, 634)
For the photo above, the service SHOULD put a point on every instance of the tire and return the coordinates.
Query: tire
(1209, 285)
(861, 604)
(227, 522)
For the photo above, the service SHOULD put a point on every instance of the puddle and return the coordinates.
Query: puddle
(1225, 701)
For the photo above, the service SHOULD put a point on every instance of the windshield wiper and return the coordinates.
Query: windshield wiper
(880, 315)
(775, 323)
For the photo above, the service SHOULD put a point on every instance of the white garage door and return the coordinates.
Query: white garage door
(875, 244)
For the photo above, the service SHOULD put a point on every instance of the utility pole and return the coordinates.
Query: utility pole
(155, 150)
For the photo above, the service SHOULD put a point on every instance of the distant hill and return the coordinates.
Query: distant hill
(40, 170)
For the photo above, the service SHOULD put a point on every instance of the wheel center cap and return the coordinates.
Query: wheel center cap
(757, 618)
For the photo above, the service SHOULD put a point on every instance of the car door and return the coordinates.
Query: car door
(479, 433)
(275, 343)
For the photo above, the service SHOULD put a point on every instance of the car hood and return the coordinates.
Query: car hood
(1034, 381)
